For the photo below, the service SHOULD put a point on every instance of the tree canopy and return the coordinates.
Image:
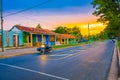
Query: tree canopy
(65, 30)
(61, 30)
(39, 26)
(76, 32)
(108, 12)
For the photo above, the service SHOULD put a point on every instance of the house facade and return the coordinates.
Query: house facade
(67, 39)
(4, 40)
(21, 36)
(28, 36)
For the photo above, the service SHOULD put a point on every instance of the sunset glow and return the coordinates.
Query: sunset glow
(94, 27)
(51, 16)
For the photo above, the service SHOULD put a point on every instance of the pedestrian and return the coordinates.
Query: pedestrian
(113, 40)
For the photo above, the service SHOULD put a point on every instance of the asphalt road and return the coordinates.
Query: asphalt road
(90, 62)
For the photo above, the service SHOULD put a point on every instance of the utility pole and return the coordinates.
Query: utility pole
(88, 31)
(88, 34)
(118, 4)
(1, 16)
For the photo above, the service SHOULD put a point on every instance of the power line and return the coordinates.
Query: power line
(41, 21)
(29, 8)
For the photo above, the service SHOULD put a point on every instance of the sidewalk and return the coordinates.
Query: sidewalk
(114, 68)
(17, 52)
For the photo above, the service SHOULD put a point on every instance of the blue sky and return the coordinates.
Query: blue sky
(52, 4)
(49, 15)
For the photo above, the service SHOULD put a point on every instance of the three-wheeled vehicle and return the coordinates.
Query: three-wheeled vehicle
(45, 48)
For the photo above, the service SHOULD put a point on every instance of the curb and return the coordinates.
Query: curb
(13, 55)
(114, 68)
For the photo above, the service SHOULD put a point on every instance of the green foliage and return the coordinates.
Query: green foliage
(39, 26)
(63, 46)
(101, 36)
(65, 30)
(118, 43)
(76, 32)
(61, 30)
(108, 12)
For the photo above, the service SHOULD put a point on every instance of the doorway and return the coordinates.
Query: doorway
(15, 40)
(0, 41)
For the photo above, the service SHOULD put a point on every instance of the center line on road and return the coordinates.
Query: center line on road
(42, 73)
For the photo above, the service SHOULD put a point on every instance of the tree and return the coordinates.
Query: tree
(76, 32)
(108, 12)
(39, 26)
(61, 30)
(73, 31)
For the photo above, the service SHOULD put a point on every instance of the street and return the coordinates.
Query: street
(89, 62)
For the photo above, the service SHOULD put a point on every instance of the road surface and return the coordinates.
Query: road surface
(90, 62)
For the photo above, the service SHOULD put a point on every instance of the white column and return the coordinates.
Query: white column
(36, 38)
(67, 40)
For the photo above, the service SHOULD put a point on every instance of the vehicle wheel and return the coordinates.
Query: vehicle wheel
(42, 51)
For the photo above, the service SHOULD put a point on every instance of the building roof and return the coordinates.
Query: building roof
(64, 36)
(34, 30)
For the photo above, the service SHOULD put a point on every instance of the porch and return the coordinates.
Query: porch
(36, 40)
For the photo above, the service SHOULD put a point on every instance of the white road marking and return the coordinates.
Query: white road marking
(42, 73)
(79, 50)
(70, 55)
(65, 54)
(59, 54)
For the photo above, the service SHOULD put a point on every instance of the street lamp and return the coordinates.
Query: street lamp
(1, 16)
